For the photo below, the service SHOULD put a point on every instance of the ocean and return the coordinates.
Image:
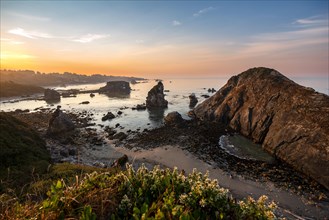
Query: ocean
(177, 92)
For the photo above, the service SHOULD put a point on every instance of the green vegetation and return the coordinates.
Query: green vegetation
(8, 89)
(32, 188)
(141, 194)
(23, 153)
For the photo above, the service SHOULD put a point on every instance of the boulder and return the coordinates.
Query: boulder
(290, 121)
(193, 100)
(120, 136)
(155, 97)
(51, 95)
(60, 124)
(140, 107)
(173, 119)
(108, 116)
(116, 88)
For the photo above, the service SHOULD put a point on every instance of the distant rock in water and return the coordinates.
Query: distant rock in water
(290, 121)
(116, 88)
(51, 95)
(155, 97)
(108, 116)
(60, 124)
(193, 100)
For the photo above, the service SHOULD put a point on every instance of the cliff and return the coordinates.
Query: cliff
(290, 121)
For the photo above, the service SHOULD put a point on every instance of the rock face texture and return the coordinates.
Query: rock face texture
(289, 120)
(173, 119)
(51, 95)
(116, 88)
(60, 124)
(155, 97)
(108, 116)
(193, 100)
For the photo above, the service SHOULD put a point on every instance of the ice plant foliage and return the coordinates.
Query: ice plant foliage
(145, 194)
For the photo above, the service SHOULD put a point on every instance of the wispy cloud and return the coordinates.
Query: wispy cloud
(314, 33)
(91, 37)
(30, 17)
(12, 41)
(312, 21)
(176, 23)
(29, 34)
(16, 56)
(203, 11)
(139, 41)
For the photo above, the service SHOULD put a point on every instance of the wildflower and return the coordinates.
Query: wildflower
(203, 203)
(183, 198)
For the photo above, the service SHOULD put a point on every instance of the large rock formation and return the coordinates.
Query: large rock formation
(193, 100)
(116, 88)
(155, 97)
(289, 120)
(60, 124)
(51, 95)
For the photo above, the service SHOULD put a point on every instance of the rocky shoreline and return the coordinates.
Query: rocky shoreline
(198, 138)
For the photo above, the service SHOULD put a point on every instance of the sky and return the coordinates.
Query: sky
(166, 38)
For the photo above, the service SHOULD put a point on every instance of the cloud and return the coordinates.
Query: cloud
(29, 34)
(90, 37)
(176, 23)
(312, 21)
(30, 17)
(12, 41)
(139, 41)
(203, 11)
(312, 32)
(16, 56)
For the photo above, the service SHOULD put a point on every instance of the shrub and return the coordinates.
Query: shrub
(143, 194)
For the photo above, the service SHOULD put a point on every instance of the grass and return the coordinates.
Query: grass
(23, 153)
(33, 188)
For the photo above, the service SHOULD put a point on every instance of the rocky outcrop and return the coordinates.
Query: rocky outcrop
(51, 95)
(116, 88)
(289, 120)
(139, 107)
(193, 100)
(173, 119)
(60, 124)
(108, 116)
(155, 97)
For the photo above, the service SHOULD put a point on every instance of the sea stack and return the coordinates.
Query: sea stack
(193, 100)
(155, 97)
(51, 95)
(116, 88)
(290, 121)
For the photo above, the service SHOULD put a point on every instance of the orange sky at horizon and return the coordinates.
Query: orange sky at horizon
(178, 39)
(171, 61)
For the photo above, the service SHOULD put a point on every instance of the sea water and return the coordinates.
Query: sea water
(177, 92)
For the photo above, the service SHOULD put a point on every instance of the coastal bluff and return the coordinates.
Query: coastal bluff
(290, 121)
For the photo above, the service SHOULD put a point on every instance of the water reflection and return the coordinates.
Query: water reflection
(53, 102)
(156, 115)
(117, 95)
(244, 148)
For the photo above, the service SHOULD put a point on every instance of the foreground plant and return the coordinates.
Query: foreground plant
(143, 194)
